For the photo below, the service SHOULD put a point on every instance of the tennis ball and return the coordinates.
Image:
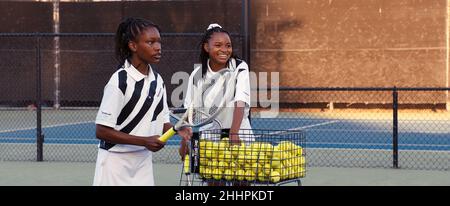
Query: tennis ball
(202, 144)
(207, 153)
(297, 151)
(284, 174)
(255, 146)
(240, 174)
(262, 158)
(251, 158)
(262, 177)
(213, 164)
(226, 141)
(241, 160)
(228, 174)
(206, 172)
(275, 176)
(217, 174)
(286, 163)
(225, 156)
(203, 161)
(222, 165)
(276, 162)
(256, 168)
(235, 150)
(291, 173)
(249, 175)
(222, 146)
(266, 169)
(276, 153)
(233, 165)
(208, 144)
(267, 148)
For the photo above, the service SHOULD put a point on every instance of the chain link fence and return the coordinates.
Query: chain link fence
(344, 127)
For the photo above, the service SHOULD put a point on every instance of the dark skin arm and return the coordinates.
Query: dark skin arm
(109, 134)
(238, 114)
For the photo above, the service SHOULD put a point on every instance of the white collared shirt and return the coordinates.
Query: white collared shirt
(242, 93)
(126, 105)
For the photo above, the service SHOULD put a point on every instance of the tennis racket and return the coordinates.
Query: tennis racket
(197, 114)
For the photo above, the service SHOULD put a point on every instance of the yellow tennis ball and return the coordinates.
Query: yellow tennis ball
(267, 169)
(233, 165)
(275, 176)
(222, 165)
(202, 144)
(262, 158)
(284, 174)
(297, 151)
(226, 141)
(217, 174)
(276, 153)
(251, 158)
(228, 174)
(235, 150)
(255, 146)
(213, 164)
(250, 175)
(225, 156)
(256, 168)
(206, 172)
(240, 174)
(262, 177)
(241, 160)
(276, 162)
(207, 153)
(203, 161)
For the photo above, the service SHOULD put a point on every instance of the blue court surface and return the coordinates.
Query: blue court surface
(320, 133)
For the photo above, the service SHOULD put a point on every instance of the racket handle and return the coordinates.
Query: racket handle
(167, 135)
(186, 165)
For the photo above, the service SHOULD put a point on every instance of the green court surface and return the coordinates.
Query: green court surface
(19, 173)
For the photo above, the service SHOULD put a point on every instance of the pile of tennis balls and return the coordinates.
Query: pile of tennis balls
(251, 161)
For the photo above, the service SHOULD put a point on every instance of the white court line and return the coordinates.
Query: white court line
(304, 127)
(376, 144)
(56, 125)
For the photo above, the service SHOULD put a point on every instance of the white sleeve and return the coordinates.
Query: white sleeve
(110, 107)
(243, 87)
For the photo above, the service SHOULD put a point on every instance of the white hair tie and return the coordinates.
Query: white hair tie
(212, 26)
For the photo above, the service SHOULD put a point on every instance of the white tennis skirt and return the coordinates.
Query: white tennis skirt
(124, 168)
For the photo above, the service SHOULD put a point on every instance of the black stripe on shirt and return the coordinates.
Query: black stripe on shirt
(145, 107)
(128, 108)
(123, 81)
(158, 109)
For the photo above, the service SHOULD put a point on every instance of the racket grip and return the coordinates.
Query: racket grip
(186, 165)
(167, 135)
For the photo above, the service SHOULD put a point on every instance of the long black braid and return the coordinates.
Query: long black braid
(127, 31)
(204, 56)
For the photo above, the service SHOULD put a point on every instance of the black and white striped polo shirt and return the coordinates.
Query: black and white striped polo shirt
(133, 103)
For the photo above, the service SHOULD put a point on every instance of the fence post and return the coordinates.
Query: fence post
(39, 136)
(395, 128)
(245, 29)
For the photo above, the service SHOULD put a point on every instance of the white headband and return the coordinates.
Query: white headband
(214, 25)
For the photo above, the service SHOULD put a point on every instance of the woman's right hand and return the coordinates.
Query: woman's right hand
(153, 143)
